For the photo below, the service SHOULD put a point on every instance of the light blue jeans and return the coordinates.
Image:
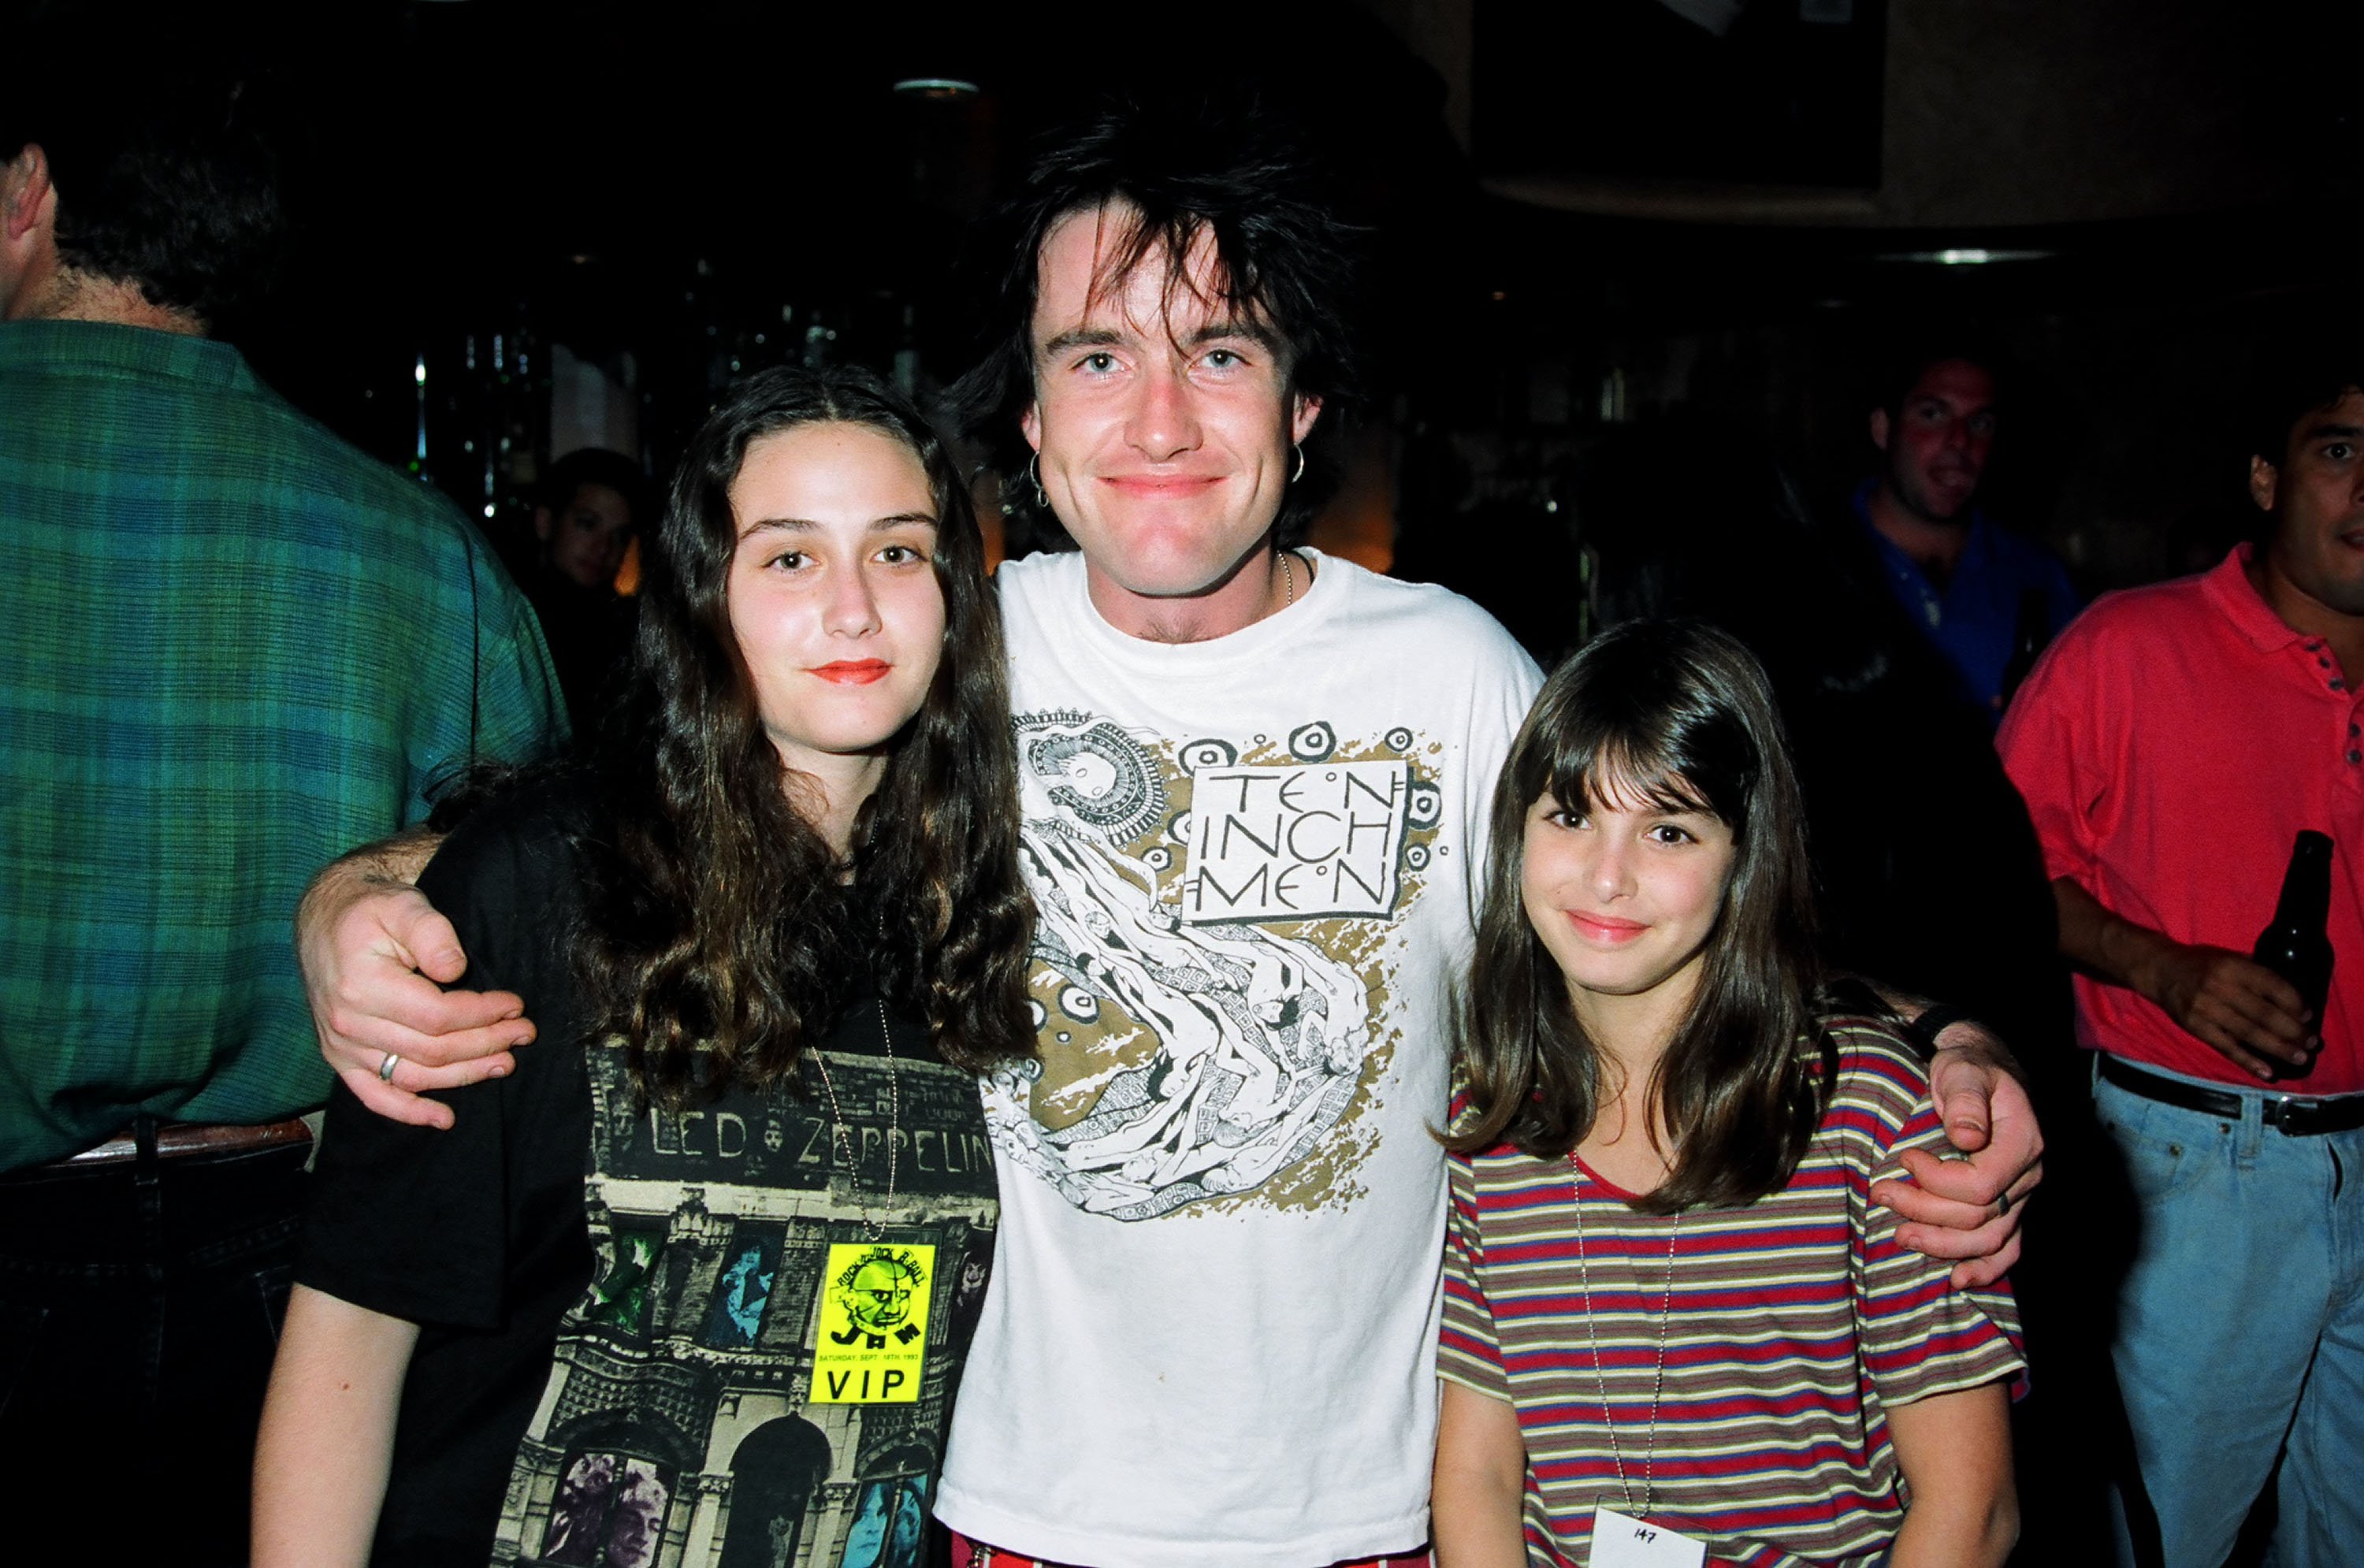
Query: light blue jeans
(2241, 1328)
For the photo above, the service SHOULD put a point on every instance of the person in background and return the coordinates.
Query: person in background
(594, 504)
(1981, 594)
(2172, 747)
(1882, 746)
(234, 646)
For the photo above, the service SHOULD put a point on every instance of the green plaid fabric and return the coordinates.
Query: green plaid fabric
(233, 649)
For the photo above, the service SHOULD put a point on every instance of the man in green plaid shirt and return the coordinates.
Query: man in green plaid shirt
(233, 649)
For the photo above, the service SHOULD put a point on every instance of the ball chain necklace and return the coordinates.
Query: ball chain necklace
(1592, 1342)
(877, 1227)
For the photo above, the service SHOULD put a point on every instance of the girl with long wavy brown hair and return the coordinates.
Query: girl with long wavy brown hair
(1675, 1322)
(722, 1229)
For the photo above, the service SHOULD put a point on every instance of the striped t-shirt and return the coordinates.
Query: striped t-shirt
(1788, 1326)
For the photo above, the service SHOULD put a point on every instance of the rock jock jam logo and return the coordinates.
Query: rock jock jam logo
(1215, 945)
(873, 1325)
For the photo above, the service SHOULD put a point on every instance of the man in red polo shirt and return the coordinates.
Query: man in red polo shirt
(2171, 747)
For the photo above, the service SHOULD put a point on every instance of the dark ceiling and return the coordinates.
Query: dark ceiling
(629, 175)
(636, 175)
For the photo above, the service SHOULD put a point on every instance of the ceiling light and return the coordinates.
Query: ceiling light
(1966, 256)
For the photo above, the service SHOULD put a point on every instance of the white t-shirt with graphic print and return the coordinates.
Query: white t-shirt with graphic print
(1211, 1332)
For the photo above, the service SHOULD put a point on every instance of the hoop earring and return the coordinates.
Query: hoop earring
(1034, 473)
(1301, 465)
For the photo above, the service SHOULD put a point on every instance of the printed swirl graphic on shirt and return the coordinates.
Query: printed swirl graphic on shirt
(1219, 935)
(751, 1377)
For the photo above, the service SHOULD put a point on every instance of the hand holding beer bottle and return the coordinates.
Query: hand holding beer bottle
(2297, 945)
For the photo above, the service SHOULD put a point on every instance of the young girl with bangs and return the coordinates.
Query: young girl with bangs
(1678, 1328)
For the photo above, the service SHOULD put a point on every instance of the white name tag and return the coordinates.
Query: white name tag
(1619, 1541)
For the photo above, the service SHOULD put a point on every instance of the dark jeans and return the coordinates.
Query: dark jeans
(139, 1307)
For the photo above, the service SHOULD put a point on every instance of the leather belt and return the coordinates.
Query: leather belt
(2295, 1115)
(175, 1141)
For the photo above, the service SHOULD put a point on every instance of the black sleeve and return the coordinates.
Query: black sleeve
(445, 1228)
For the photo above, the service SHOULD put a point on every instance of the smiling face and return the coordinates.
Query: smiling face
(1164, 426)
(2316, 494)
(1939, 439)
(834, 598)
(1624, 894)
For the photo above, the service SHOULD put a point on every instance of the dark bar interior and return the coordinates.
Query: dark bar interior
(1690, 340)
(1588, 223)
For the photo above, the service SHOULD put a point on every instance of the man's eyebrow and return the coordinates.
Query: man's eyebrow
(2333, 432)
(1082, 338)
(1075, 338)
(1254, 331)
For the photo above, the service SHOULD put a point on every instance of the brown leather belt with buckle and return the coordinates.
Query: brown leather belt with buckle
(177, 1141)
(2295, 1115)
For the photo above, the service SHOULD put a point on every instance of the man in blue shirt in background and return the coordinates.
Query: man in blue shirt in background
(1977, 590)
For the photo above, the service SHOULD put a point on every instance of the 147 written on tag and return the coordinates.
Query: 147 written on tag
(1620, 1540)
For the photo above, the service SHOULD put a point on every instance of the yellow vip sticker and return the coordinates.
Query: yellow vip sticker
(873, 1325)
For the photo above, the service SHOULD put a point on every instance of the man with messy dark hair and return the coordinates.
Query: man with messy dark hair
(1253, 779)
(1288, 274)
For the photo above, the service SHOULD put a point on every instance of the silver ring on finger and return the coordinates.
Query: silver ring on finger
(385, 1068)
(2002, 1204)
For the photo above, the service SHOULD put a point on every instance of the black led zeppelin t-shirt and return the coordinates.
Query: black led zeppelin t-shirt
(703, 1336)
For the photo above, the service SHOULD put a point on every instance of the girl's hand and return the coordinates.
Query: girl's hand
(1969, 1208)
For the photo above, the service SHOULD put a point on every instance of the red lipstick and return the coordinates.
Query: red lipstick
(853, 672)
